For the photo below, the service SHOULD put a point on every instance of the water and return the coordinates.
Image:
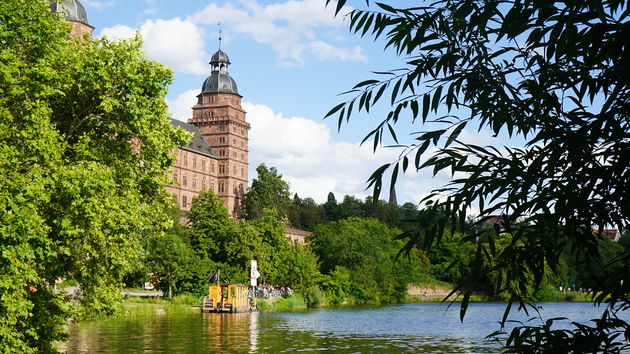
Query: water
(424, 327)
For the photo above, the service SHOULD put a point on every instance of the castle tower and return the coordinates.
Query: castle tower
(73, 12)
(221, 119)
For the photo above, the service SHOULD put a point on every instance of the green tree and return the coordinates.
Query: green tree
(85, 143)
(210, 226)
(305, 214)
(331, 208)
(554, 74)
(268, 191)
(271, 247)
(302, 267)
(451, 258)
(167, 257)
(367, 248)
(350, 207)
(211, 236)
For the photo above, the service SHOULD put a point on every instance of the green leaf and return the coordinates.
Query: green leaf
(395, 91)
(455, 133)
(335, 109)
(425, 107)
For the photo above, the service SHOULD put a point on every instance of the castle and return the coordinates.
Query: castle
(217, 156)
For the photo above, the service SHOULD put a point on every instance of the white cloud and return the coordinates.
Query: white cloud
(98, 4)
(118, 32)
(175, 43)
(292, 28)
(181, 107)
(149, 11)
(314, 164)
(325, 51)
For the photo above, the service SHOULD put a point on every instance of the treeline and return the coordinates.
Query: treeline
(353, 259)
(354, 254)
(347, 258)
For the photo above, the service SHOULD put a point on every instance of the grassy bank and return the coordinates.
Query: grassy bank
(142, 306)
(291, 302)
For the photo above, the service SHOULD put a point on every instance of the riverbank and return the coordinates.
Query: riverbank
(416, 293)
(437, 292)
(140, 306)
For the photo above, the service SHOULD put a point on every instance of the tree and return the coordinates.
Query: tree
(210, 226)
(269, 191)
(553, 74)
(367, 249)
(350, 207)
(305, 214)
(331, 208)
(167, 257)
(85, 144)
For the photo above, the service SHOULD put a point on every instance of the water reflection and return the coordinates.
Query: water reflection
(253, 332)
(394, 329)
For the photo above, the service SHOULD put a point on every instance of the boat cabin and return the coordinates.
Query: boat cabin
(226, 297)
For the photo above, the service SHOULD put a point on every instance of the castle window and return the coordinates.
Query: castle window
(211, 167)
(233, 154)
(212, 186)
(194, 184)
(222, 140)
(203, 165)
(242, 172)
(221, 187)
(175, 177)
(204, 184)
(221, 128)
(184, 201)
(184, 180)
(184, 159)
(221, 169)
(194, 162)
(221, 152)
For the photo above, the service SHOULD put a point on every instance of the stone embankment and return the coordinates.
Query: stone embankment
(432, 291)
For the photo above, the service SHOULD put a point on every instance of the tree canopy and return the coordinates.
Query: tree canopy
(268, 191)
(552, 74)
(365, 252)
(85, 143)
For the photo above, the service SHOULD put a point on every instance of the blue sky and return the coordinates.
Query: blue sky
(290, 60)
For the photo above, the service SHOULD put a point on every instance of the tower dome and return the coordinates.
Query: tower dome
(219, 79)
(220, 58)
(70, 10)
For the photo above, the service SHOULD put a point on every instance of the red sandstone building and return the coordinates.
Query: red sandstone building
(217, 156)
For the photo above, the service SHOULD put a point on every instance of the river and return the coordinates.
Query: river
(418, 327)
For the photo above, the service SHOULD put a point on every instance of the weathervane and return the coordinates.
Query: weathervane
(219, 24)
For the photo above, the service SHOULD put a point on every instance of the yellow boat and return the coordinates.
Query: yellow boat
(226, 297)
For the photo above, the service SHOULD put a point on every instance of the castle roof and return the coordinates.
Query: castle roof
(219, 58)
(197, 144)
(219, 79)
(70, 10)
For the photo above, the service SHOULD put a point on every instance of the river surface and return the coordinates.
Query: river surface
(417, 328)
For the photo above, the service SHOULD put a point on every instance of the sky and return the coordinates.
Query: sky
(290, 59)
